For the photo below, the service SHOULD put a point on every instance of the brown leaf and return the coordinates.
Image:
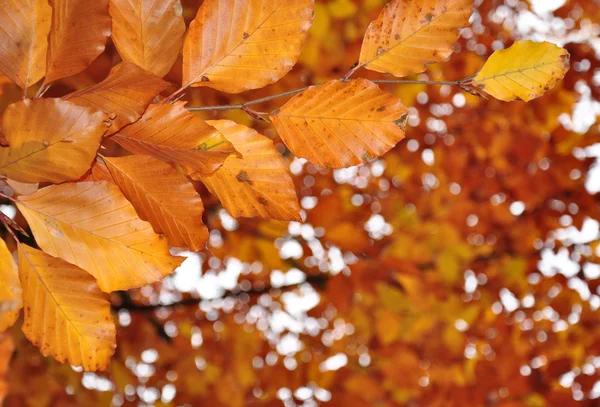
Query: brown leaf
(162, 196)
(124, 95)
(92, 225)
(80, 29)
(148, 33)
(170, 133)
(66, 314)
(409, 35)
(24, 28)
(258, 184)
(263, 42)
(340, 124)
(51, 140)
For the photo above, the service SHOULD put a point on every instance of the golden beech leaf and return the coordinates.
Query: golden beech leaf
(258, 184)
(170, 133)
(24, 28)
(524, 71)
(148, 33)
(50, 140)
(162, 196)
(79, 31)
(124, 94)
(341, 124)
(409, 35)
(23, 188)
(92, 225)
(237, 45)
(66, 314)
(10, 289)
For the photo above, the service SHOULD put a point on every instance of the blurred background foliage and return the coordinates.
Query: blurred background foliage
(461, 269)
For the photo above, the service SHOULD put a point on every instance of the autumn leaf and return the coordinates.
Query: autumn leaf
(257, 184)
(340, 124)
(237, 45)
(24, 28)
(524, 71)
(92, 225)
(7, 348)
(409, 35)
(79, 31)
(51, 140)
(66, 314)
(124, 94)
(148, 33)
(170, 133)
(10, 289)
(162, 196)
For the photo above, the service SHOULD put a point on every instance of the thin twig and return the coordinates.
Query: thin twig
(244, 105)
(8, 228)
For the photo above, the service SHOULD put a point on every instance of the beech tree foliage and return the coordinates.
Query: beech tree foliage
(130, 135)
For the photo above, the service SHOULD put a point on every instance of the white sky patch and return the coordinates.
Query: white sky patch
(335, 362)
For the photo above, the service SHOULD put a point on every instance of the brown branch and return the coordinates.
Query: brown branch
(317, 281)
(243, 106)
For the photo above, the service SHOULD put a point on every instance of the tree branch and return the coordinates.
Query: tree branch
(243, 106)
(317, 281)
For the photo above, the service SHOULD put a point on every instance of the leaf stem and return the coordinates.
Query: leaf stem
(244, 105)
(8, 228)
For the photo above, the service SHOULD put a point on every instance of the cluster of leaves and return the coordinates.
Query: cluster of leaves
(101, 226)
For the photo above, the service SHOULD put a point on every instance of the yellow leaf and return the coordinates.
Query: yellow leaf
(66, 314)
(24, 28)
(50, 140)
(342, 9)
(388, 327)
(258, 184)
(92, 225)
(341, 124)
(409, 35)
(162, 196)
(237, 45)
(523, 71)
(10, 289)
(170, 133)
(148, 32)
(124, 94)
(79, 31)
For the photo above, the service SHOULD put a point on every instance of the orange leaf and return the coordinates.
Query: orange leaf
(51, 140)
(341, 124)
(237, 45)
(80, 29)
(258, 184)
(409, 35)
(24, 28)
(162, 196)
(92, 225)
(66, 314)
(171, 133)
(10, 289)
(124, 94)
(148, 32)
